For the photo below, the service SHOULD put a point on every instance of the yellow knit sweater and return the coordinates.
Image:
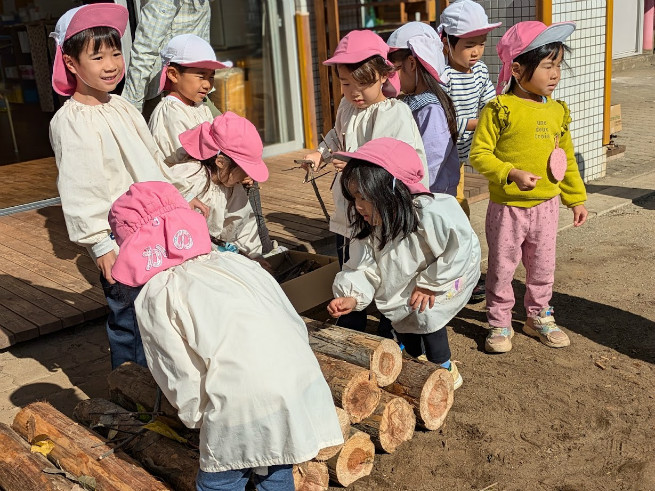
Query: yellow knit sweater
(515, 133)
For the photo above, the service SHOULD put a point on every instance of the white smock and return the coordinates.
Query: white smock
(100, 151)
(354, 127)
(231, 218)
(443, 256)
(230, 353)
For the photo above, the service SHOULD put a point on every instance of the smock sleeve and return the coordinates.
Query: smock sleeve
(485, 138)
(572, 186)
(166, 127)
(360, 277)
(178, 370)
(85, 193)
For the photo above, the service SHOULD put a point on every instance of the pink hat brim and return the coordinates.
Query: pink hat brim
(165, 83)
(349, 58)
(479, 32)
(198, 142)
(256, 170)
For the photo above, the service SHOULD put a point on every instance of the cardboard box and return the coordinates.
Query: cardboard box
(615, 119)
(312, 288)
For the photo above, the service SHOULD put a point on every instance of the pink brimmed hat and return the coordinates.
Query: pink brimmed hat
(357, 46)
(523, 37)
(155, 229)
(425, 45)
(191, 51)
(77, 20)
(465, 19)
(397, 157)
(232, 135)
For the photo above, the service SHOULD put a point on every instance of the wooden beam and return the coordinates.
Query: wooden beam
(323, 72)
(334, 35)
(545, 11)
(306, 79)
(607, 90)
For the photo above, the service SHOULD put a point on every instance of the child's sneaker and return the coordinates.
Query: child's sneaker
(457, 377)
(543, 327)
(479, 292)
(277, 249)
(499, 339)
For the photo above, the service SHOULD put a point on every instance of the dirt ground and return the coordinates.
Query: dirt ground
(578, 418)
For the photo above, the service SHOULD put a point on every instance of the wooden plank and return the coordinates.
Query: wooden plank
(333, 40)
(323, 71)
(45, 321)
(20, 329)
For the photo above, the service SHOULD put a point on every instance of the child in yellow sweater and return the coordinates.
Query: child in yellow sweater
(523, 145)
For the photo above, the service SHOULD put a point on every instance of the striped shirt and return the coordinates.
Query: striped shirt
(469, 92)
(159, 21)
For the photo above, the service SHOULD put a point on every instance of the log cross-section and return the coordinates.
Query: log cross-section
(391, 424)
(311, 476)
(354, 460)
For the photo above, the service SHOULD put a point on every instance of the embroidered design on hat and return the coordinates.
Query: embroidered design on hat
(183, 240)
(155, 256)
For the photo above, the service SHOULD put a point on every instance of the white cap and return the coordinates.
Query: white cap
(424, 43)
(465, 19)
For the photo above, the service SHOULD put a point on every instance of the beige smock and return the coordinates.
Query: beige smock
(100, 151)
(230, 353)
(354, 127)
(231, 217)
(443, 256)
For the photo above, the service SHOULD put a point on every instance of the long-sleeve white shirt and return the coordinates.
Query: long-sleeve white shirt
(443, 256)
(230, 353)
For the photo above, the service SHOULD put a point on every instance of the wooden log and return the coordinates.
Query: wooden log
(344, 422)
(77, 450)
(22, 469)
(130, 384)
(161, 456)
(428, 388)
(311, 476)
(380, 355)
(354, 460)
(353, 388)
(391, 424)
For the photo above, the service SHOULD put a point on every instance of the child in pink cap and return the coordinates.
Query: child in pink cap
(367, 110)
(226, 151)
(223, 343)
(413, 252)
(101, 145)
(523, 146)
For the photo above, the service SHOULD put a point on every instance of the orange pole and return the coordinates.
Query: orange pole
(607, 91)
(545, 11)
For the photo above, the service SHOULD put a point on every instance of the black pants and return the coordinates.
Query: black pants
(356, 320)
(436, 345)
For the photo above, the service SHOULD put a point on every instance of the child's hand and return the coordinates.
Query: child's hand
(314, 157)
(580, 215)
(247, 181)
(421, 299)
(196, 204)
(105, 263)
(341, 306)
(338, 164)
(525, 180)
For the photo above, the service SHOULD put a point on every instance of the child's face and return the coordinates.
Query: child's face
(229, 173)
(466, 53)
(358, 95)
(364, 207)
(192, 85)
(545, 77)
(98, 72)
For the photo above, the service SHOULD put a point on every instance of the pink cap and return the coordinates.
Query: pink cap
(191, 51)
(232, 135)
(155, 229)
(425, 45)
(396, 157)
(77, 20)
(357, 46)
(523, 37)
(465, 19)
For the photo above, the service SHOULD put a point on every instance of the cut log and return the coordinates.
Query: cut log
(353, 388)
(22, 469)
(161, 456)
(77, 449)
(380, 355)
(354, 460)
(428, 388)
(344, 422)
(391, 424)
(130, 384)
(311, 476)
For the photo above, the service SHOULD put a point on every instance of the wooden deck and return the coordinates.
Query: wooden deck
(47, 283)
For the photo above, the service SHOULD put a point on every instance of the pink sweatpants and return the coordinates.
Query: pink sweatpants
(514, 234)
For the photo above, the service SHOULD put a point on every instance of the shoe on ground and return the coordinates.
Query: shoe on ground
(543, 327)
(499, 340)
(479, 292)
(457, 377)
(277, 249)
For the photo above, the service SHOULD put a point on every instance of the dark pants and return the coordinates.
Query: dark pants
(279, 478)
(122, 329)
(437, 349)
(262, 230)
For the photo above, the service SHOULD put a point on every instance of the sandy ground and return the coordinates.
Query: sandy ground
(578, 418)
